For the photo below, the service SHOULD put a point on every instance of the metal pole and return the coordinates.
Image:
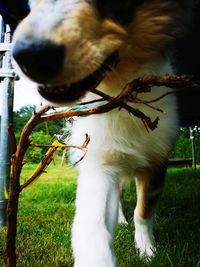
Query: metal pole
(7, 76)
(192, 138)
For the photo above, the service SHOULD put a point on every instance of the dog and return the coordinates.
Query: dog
(69, 47)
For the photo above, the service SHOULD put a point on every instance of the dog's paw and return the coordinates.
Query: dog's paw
(144, 239)
(91, 262)
(121, 216)
(144, 245)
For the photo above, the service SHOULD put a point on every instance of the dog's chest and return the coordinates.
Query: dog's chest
(118, 137)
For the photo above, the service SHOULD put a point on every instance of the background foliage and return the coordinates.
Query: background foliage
(42, 134)
(22, 115)
(183, 147)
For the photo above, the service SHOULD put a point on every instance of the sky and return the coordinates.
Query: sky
(24, 94)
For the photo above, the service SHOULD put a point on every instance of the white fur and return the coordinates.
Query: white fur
(144, 239)
(121, 216)
(120, 145)
(96, 214)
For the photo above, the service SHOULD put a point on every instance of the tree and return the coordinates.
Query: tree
(22, 115)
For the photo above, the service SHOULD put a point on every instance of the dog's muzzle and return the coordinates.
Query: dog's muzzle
(43, 61)
(40, 60)
(65, 93)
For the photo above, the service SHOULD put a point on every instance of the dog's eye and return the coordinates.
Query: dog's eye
(121, 11)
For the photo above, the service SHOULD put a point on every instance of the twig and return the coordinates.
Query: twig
(45, 162)
(44, 145)
(13, 142)
(129, 94)
(17, 164)
(84, 148)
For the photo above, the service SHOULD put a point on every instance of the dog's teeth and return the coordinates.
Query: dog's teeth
(51, 89)
(43, 88)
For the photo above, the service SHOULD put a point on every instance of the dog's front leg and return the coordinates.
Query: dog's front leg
(95, 218)
(149, 186)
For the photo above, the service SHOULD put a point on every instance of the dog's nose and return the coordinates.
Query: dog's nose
(40, 60)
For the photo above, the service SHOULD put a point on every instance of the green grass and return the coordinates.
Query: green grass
(46, 211)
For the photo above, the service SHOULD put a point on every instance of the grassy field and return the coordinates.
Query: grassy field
(46, 212)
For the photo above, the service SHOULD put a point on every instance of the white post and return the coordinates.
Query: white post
(192, 138)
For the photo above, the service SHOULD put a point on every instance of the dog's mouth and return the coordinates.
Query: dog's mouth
(64, 93)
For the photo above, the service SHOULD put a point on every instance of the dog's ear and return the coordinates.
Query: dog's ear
(117, 10)
(13, 11)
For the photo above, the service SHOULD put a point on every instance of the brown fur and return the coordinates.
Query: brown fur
(149, 185)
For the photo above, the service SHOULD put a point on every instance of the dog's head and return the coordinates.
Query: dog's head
(69, 46)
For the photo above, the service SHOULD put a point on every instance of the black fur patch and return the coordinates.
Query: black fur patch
(121, 11)
(186, 60)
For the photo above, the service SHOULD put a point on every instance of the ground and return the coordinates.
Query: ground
(46, 212)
